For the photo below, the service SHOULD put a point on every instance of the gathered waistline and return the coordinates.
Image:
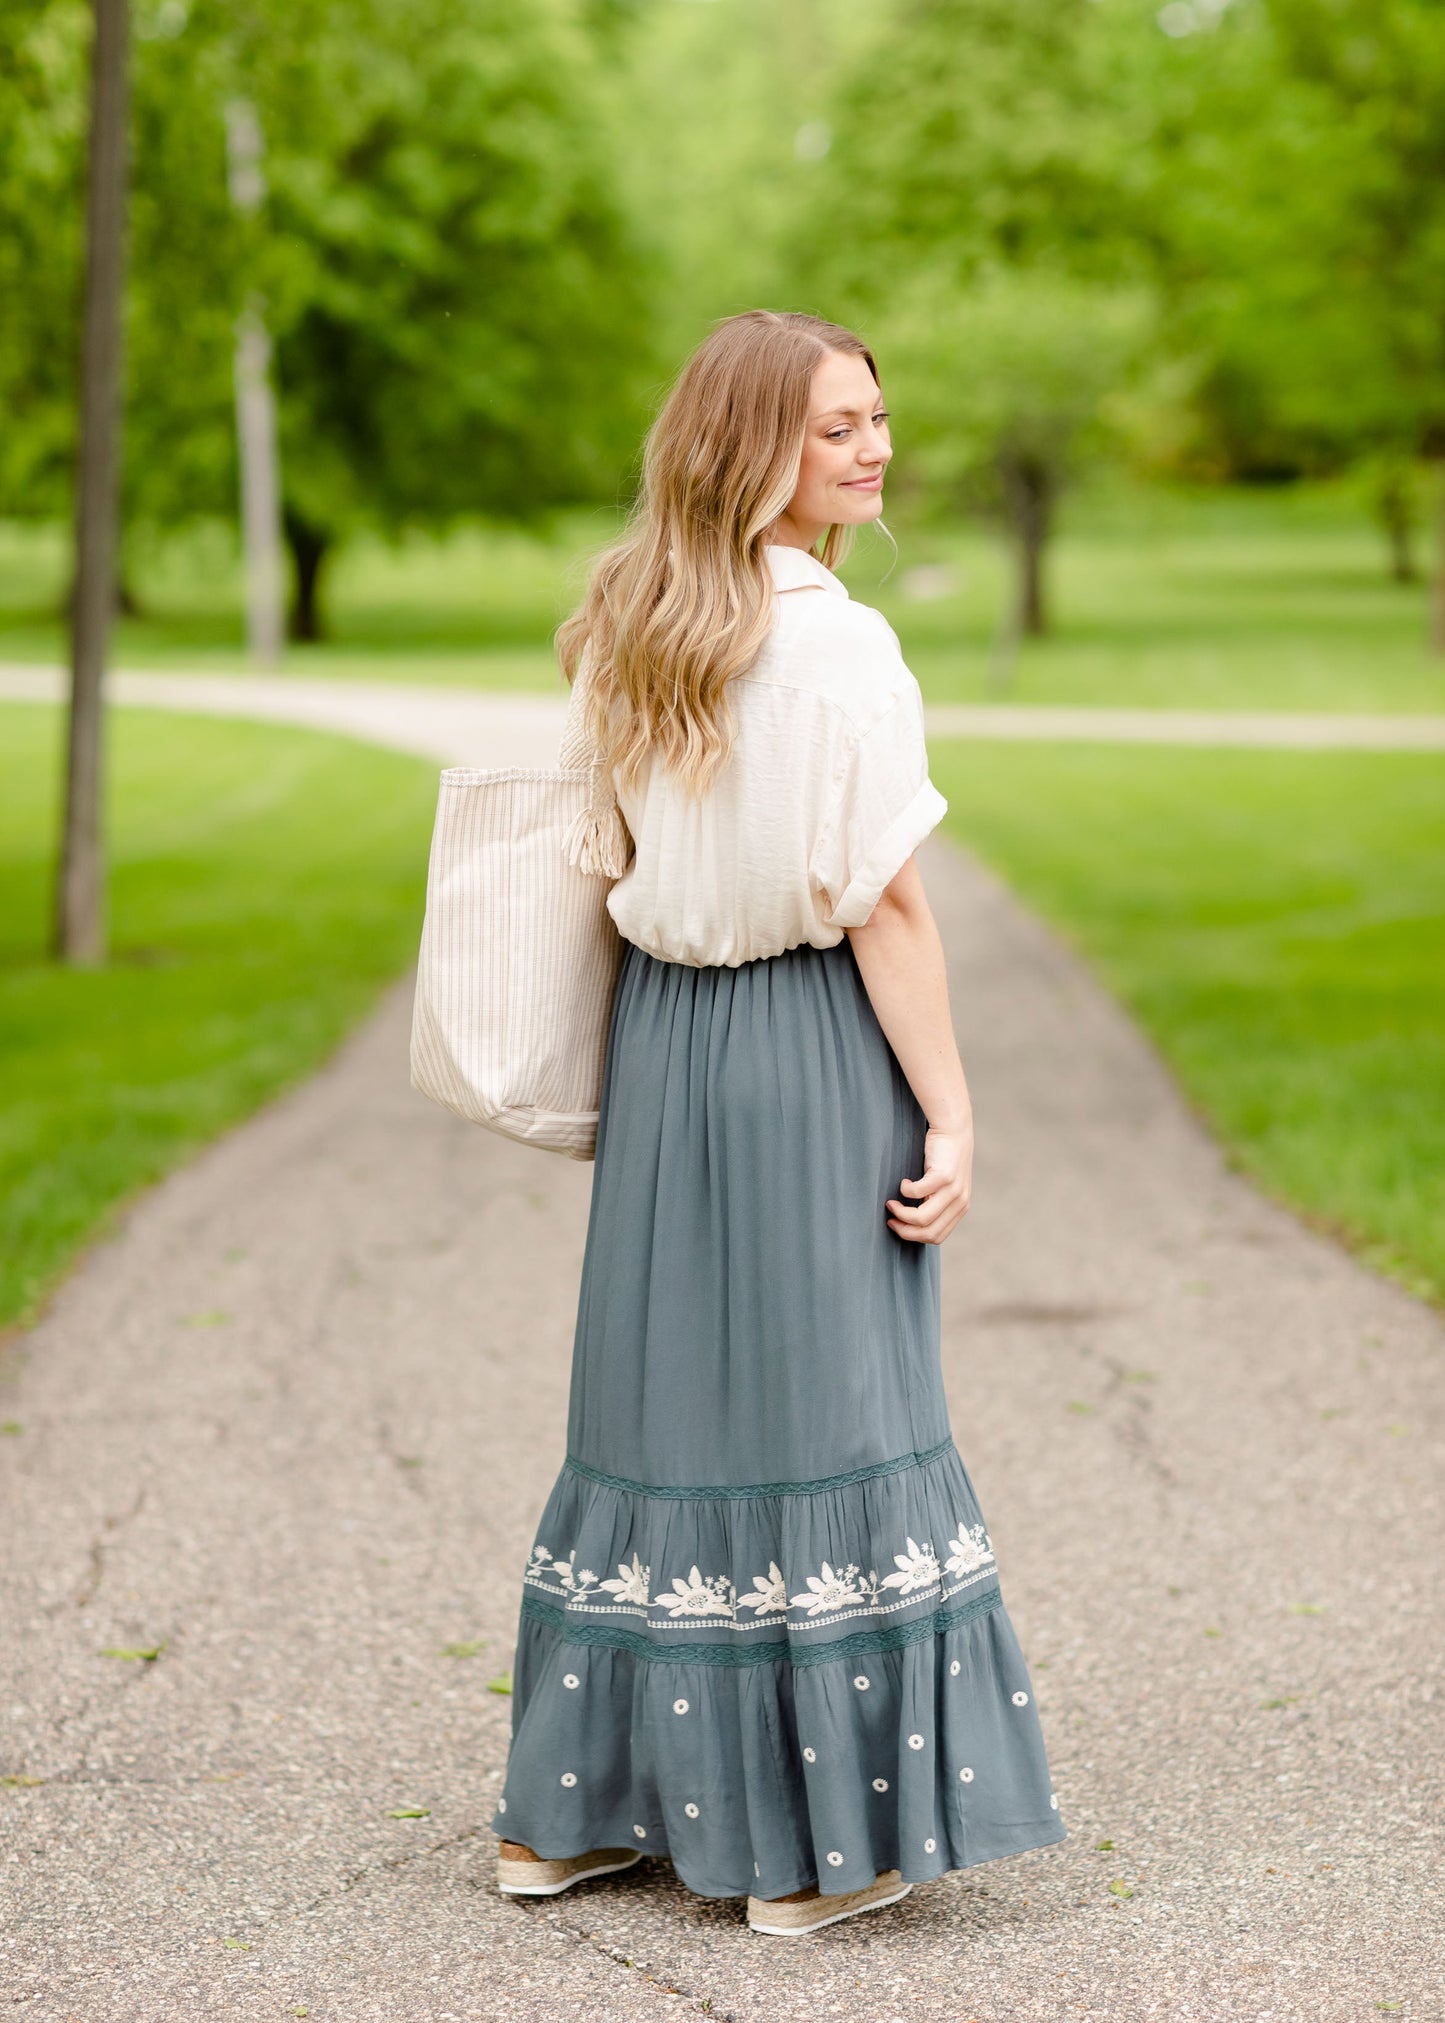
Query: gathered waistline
(802, 949)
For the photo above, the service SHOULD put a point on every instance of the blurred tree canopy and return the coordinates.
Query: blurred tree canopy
(984, 190)
(456, 298)
(462, 324)
(1207, 236)
(1298, 151)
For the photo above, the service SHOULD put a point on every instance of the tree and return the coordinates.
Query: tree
(986, 241)
(457, 306)
(1297, 191)
(1004, 384)
(459, 316)
(180, 278)
(1375, 75)
(80, 894)
(44, 91)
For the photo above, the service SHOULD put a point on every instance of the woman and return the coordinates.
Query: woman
(761, 1631)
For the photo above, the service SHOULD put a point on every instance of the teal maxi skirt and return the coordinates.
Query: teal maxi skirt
(761, 1632)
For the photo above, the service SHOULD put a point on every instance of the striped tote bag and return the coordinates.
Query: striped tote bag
(519, 955)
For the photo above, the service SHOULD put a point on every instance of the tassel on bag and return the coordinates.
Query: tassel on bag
(597, 840)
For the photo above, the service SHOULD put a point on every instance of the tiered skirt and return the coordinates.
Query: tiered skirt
(761, 1629)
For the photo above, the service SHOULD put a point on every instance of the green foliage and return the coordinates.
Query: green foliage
(1277, 922)
(459, 324)
(266, 884)
(455, 296)
(974, 133)
(1297, 199)
(719, 124)
(989, 247)
(1015, 368)
(42, 78)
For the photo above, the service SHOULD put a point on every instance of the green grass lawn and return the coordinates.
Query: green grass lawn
(266, 884)
(1163, 598)
(1277, 923)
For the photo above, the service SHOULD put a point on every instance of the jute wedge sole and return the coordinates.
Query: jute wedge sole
(808, 1911)
(530, 1875)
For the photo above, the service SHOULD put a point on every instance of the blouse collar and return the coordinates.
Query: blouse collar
(795, 569)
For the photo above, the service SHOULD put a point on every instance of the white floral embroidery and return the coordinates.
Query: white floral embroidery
(831, 1594)
(918, 1567)
(631, 1584)
(770, 1596)
(828, 1590)
(574, 1579)
(698, 1597)
(970, 1550)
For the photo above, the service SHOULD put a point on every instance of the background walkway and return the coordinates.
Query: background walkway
(290, 1430)
(463, 726)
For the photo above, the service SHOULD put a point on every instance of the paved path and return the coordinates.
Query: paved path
(465, 726)
(292, 1426)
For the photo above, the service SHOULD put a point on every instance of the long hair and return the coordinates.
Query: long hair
(683, 601)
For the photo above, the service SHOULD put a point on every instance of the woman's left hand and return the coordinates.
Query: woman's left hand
(942, 1196)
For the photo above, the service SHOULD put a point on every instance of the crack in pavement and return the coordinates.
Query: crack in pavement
(609, 1951)
(90, 1587)
(388, 1864)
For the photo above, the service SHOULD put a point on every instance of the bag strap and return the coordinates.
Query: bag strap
(597, 841)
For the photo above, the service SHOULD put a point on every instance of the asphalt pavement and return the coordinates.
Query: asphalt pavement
(271, 1462)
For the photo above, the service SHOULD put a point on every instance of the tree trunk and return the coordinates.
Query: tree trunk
(1392, 503)
(260, 489)
(80, 887)
(127, 604)
(256, 411)
(1029, 495)
(309, 547)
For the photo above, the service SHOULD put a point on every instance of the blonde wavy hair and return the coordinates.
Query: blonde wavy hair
(683, 601)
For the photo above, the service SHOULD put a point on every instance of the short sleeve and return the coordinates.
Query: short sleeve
(882, 808)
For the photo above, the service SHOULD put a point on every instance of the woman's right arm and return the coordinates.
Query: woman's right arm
(900, 958)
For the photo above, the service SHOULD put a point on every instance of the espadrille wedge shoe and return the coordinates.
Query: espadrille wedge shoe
(809, 1910)
(520, 1873)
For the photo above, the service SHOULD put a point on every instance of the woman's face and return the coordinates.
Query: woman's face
(845, 452)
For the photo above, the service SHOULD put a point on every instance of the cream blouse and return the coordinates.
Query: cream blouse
(825, 797)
